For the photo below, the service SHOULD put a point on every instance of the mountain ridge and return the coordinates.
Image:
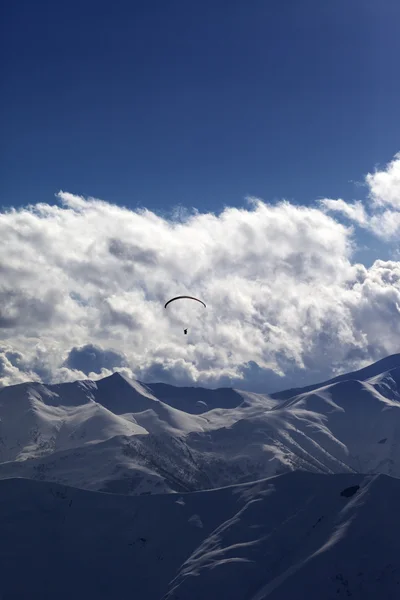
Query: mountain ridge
(117, 434)
(387, 363)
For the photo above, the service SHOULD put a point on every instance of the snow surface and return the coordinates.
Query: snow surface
(298, 535)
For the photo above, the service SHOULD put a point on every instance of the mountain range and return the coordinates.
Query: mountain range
(161, 492)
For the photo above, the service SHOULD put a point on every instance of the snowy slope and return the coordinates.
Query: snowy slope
(196, 400)
(364, 416)
(37, 420)
(381, 366)
(298, 535)
(301, 536)
(122, 436)
(90, 434)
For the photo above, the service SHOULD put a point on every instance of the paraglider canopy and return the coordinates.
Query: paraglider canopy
(185, 297)
(179, 297)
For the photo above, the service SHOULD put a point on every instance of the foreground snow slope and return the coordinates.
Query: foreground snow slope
(297, 535)
(122, 436)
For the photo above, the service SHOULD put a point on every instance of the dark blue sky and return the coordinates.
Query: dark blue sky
(157, 102)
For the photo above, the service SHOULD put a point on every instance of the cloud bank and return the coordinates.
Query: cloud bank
(83, 285)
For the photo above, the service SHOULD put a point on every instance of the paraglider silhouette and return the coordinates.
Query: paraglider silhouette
(181, 297)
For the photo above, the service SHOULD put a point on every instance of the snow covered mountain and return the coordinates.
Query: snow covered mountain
(122, 436)
(380, 367)
(298, 535)
(288, 496)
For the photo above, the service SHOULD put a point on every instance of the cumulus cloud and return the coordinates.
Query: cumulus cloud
(385, 184)
(382, 214)
(83, 286)
(354, 211)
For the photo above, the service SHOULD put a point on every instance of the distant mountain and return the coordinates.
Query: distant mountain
(380, 367)
(123, 436)
(298, 535)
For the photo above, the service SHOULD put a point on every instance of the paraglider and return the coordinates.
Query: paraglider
(179, 297)
(182, 297)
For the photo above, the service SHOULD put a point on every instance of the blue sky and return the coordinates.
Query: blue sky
(158, 105)
(200, 104)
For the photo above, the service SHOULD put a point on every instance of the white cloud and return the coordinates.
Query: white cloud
(354, 212)
(385, 184)
(83, 286)
(382, 216)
